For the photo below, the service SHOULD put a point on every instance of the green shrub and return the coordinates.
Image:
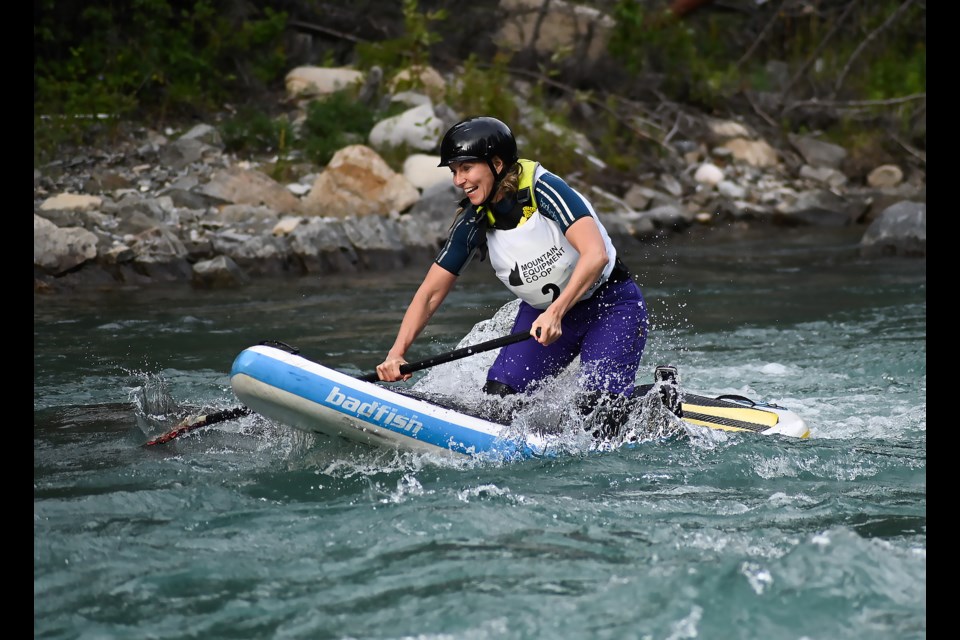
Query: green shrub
(149, 59)
(251, 131)
(411, 49)
(484, 89)
(100, 64)
(332, 123)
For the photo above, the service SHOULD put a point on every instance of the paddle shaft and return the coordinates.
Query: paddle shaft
(456, 354)
(195, 422)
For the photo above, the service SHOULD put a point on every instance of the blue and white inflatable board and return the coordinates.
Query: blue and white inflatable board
(303, 394)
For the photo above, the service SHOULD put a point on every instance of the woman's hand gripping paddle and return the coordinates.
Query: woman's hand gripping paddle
(195, 422)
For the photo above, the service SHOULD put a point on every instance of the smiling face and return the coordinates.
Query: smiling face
(475, 178)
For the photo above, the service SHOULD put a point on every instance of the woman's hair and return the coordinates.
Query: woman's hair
(510, 180)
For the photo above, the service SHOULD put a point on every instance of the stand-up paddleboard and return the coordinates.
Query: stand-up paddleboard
(303, 394)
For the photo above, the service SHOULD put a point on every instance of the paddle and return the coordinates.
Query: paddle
(195, 422)
(456, 354)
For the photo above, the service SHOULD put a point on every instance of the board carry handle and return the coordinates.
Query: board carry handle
(195, 422)
(456, 354)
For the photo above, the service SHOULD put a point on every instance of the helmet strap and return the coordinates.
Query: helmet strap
(497, 178)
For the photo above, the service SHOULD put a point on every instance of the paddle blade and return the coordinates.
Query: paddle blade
(195, 422)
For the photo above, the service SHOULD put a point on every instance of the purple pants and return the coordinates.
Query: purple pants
(608, 331)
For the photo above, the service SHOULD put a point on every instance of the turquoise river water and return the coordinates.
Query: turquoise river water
(250, 529)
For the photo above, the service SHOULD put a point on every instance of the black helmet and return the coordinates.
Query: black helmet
(478, 138)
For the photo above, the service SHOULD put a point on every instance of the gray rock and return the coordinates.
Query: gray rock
(182, 153)
(219, 273)
(206, 134)
(158, 244)
(191, 199)
(825, 175)
(250, 186)
(259, 255)
(818, 153)
(669, 217)
(321, 245)
(166, 207)
(900, 230)
(819, 207)
(58, 250)
(375, 240)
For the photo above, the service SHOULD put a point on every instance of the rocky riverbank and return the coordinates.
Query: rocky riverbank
(175, 206)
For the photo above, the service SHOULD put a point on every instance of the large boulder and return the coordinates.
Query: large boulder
(818, 153)
(57, 250)
(314, 82)
(358, 182)
(249, 186)
(900, 230)
(423, 171)
(549, 27)
(218, 273)
(417, 128)
(420, 77)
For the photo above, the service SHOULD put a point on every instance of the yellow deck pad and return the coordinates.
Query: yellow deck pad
(740, 414)
(729, 418)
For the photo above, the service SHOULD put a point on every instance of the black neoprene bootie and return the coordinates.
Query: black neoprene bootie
(497, 388)
(668, 381)
(604, 414)
(496, 409)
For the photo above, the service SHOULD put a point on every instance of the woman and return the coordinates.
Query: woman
(547, 245)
